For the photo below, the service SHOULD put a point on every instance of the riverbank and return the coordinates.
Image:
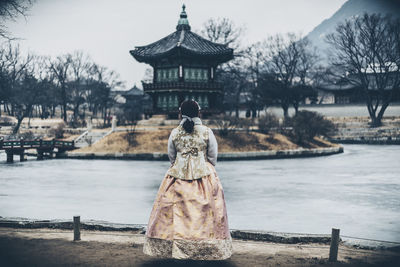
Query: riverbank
(54, 247)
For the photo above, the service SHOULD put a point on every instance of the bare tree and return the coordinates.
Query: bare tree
(235, 78)
(290, 59)
(284, 57)
(60, 68)
(5, 87)
(13, 67)
(24, 97)
(10, 10)
(39, 70)
(103, 81)
(257, 57)
(79, 83)
(223, 31)
(24, 85)
(305, 73)
(232, 74)
(367, 50)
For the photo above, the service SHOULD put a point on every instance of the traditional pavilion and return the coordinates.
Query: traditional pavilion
(184, 65)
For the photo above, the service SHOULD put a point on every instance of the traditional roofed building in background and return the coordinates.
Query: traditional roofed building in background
(135, 97)
(133, 101)
(184, 65)
(349, 89)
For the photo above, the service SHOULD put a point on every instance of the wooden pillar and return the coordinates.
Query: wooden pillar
(154, 74)
(21, 151)
(181, 73)
(40, 154)
(77, 228)
(22, 156)
(333, 251)
(10, 157)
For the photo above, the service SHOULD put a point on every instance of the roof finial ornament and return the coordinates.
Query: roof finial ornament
(183, 23)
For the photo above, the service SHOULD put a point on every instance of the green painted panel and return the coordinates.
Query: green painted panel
(167, 75)
(196, 75)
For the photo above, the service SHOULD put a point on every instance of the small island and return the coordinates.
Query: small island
(156, 141)
(235, 140)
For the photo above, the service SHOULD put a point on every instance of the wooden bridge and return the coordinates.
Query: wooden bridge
(17, 147)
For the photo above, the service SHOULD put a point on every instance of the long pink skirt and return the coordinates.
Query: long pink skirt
(189, 220)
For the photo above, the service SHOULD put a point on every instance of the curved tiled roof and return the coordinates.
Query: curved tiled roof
(185, 40)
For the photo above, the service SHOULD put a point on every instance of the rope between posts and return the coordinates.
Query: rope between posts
(368, 239)
(128, 234)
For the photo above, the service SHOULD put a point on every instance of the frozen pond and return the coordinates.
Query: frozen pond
(357, 191)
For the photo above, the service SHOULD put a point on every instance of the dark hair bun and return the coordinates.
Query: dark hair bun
(191, 109)
(188, 126)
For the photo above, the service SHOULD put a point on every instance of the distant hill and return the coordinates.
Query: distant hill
(350, 9)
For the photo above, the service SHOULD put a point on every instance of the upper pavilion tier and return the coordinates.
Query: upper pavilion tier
(183, 42)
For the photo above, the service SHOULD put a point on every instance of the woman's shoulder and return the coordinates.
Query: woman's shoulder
(177, 129)
(206, 128)
(202, 127)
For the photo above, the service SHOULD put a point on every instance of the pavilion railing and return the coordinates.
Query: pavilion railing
(182, 85)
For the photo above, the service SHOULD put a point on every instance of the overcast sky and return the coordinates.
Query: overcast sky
(108, 29)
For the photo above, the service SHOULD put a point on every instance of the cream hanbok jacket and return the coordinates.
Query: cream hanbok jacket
(189, 152)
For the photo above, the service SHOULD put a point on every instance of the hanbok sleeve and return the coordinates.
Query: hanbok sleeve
(212, 151)
(171, 149)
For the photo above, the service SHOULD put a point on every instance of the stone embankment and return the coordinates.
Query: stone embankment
(271, 154)
(358, 131)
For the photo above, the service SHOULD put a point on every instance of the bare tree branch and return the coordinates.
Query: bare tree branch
(11, 10)
(223, 31)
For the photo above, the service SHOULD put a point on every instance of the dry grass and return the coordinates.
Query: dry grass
(150, 141)
(241, 142)
(156, 141)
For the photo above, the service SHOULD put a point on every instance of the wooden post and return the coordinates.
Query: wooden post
(10, 157)
(333, 251)
(77, 228)
(39, 154)
(22, 156)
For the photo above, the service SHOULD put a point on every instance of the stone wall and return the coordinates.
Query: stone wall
(357, 130)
